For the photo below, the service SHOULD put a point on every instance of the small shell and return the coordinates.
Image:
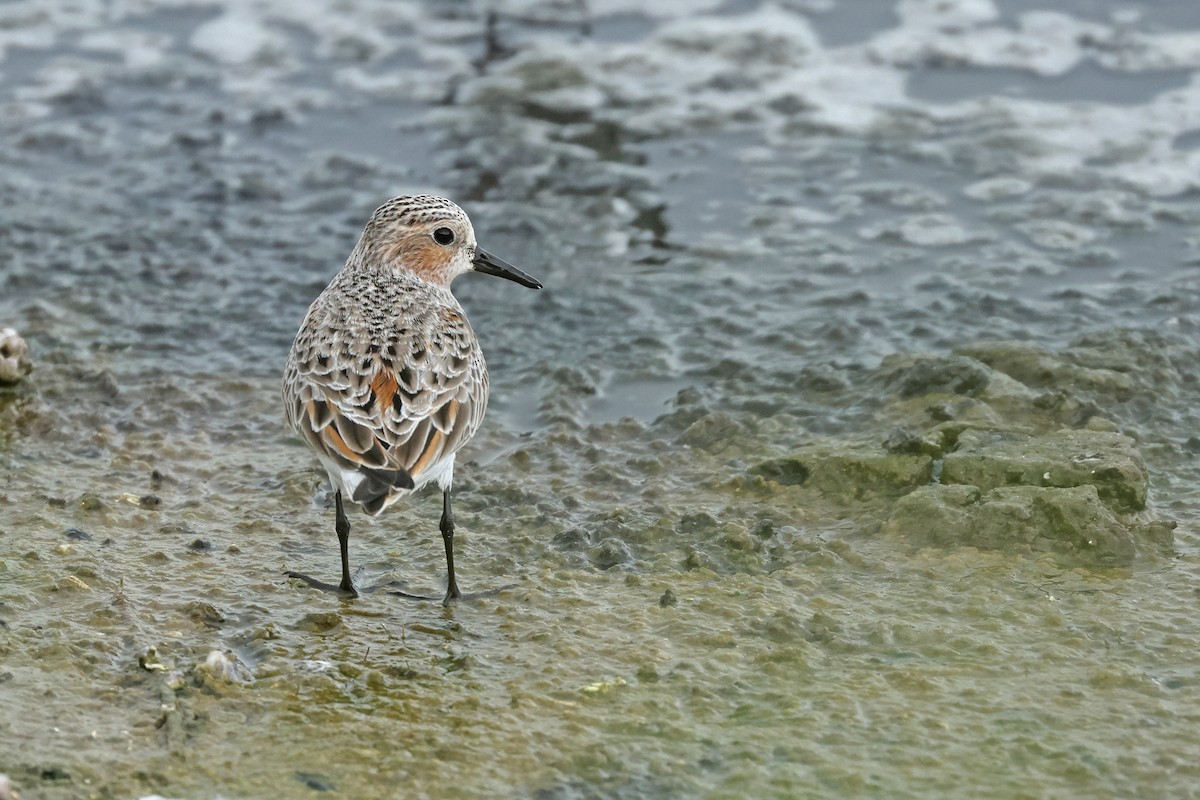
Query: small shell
(14, 357)
(222, 667)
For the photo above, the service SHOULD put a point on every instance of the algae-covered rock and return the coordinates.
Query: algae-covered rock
(904, 441)
(932, 389)
(1108, 461)
(935, 515)
(1037, 367)
(1069, 521)
(1018, 440)
(14, 357)
(1011, 386)
(849, 469)
(712, 431)
(915, 376)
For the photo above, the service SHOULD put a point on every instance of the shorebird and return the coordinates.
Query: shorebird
(385, 380)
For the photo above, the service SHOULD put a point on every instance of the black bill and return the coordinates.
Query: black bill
(488, 264)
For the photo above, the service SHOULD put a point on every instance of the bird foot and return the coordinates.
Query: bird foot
(455, 597)
(452, 597)
(338, 589)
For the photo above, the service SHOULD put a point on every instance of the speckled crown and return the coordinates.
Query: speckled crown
(413, 209)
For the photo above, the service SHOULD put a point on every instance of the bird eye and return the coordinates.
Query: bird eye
(443, 236)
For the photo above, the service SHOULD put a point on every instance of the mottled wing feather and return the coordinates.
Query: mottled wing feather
(440, 398)
(390, 405)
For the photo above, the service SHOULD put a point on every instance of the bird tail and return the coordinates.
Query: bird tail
(377, 485)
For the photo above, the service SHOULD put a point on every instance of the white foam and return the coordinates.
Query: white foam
(239, 37)
(1045, 42)
(692, 73)
(1056, 234)
(138, 49)
(927, 230)
(945, 14)
(998, 188)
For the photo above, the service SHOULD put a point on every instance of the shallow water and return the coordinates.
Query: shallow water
(738, 210)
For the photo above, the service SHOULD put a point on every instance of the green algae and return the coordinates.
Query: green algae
(1109, 462)
(756, 583)
(1072, 522)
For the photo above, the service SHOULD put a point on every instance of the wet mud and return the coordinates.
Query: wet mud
(850, 449)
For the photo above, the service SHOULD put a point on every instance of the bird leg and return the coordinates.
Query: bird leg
(346, 587)
(447, 528)
(342, 526)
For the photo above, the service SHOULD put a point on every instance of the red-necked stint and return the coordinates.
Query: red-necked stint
(385, 380)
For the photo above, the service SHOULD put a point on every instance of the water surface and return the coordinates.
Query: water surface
(739, 210)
